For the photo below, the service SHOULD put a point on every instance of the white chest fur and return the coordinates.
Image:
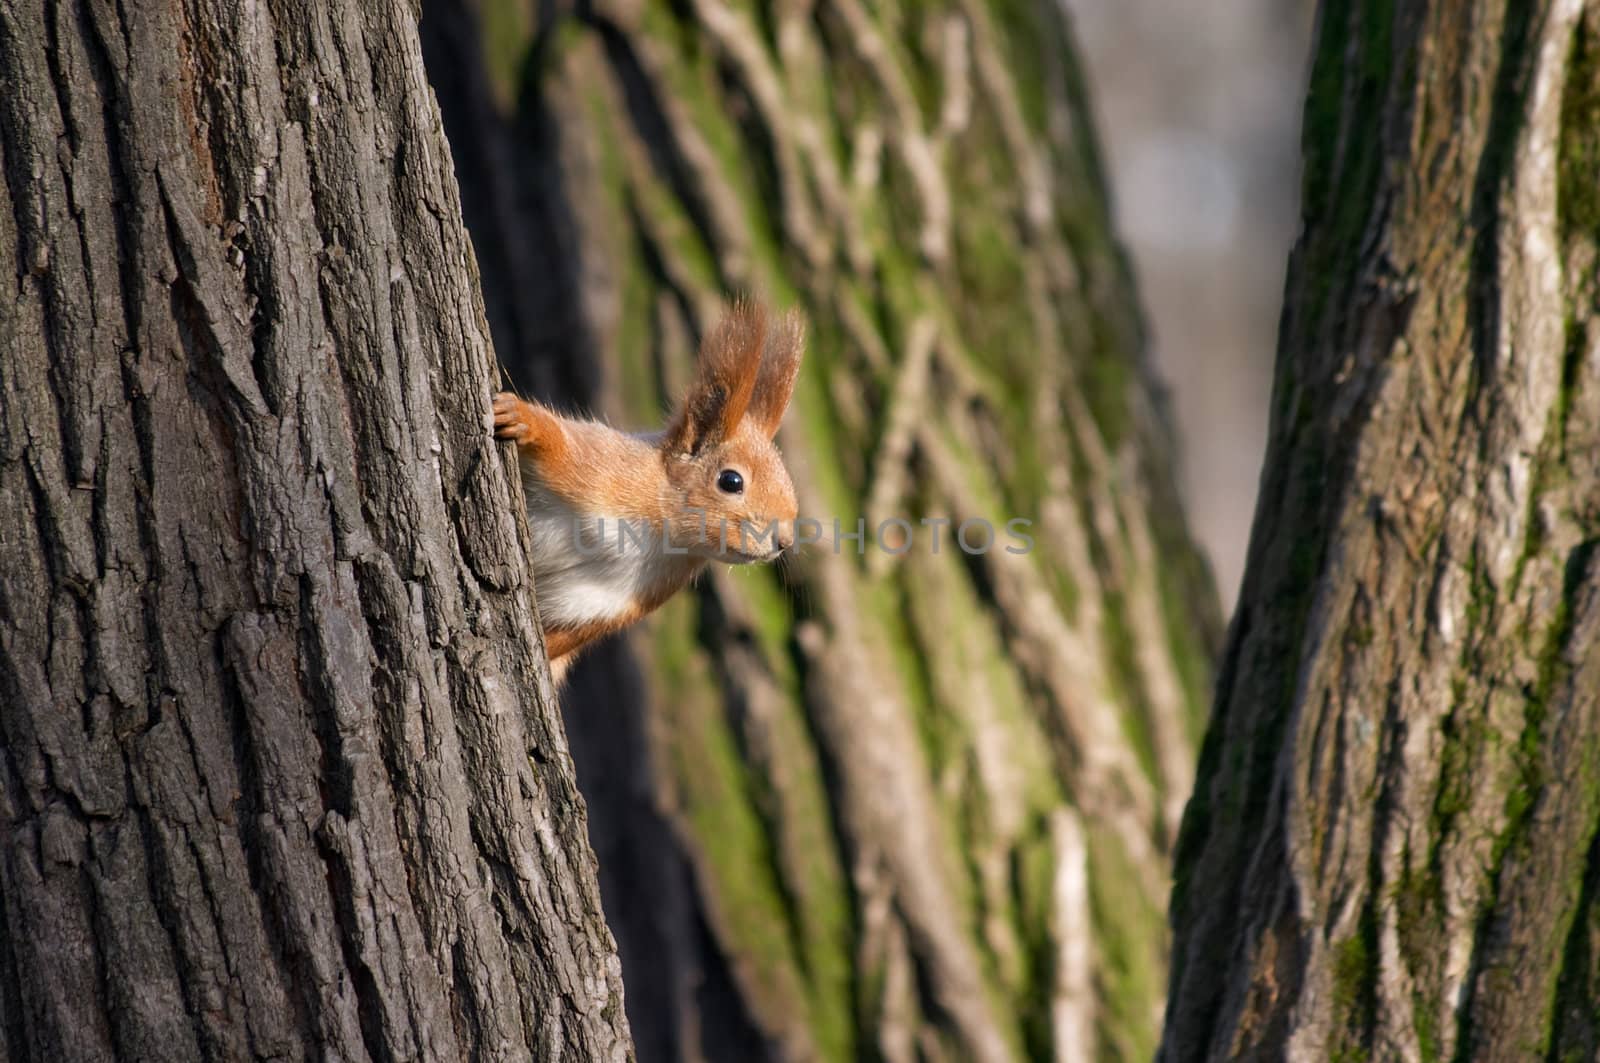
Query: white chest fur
(591, 568)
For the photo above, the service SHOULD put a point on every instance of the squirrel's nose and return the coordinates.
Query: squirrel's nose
(785, 535)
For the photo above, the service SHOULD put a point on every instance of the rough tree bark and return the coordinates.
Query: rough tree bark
(1391, 852)
(280, 776)
(918, 808)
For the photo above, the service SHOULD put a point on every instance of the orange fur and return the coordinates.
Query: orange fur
(594, 466)
(725, 379)
(669, 482)
(780, 368)
(563, 641)
(531, 426)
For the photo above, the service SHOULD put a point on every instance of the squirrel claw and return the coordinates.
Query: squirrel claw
(528, 425)
(510, 419)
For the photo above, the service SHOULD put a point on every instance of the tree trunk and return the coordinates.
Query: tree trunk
(280, 776)
(1391, 852)
(919, 807)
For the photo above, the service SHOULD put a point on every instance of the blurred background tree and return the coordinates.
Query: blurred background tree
(900, 808)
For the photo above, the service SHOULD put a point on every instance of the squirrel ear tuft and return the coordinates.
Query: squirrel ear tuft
(724, 379)
(780, 367)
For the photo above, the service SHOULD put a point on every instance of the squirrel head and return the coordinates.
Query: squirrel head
(733, 498)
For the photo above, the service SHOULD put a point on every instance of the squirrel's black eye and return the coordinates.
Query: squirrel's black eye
(730, 482)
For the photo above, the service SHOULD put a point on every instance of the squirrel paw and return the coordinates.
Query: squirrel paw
(514, 419)
(528, 424)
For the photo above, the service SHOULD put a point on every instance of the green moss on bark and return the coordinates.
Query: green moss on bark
(1026, 310)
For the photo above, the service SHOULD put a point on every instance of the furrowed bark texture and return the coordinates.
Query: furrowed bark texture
(279, 775)
(1391, 852)
(918, 808)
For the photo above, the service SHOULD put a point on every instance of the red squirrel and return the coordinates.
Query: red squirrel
(622, 521)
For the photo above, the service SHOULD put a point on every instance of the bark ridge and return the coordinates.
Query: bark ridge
(281, 774)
